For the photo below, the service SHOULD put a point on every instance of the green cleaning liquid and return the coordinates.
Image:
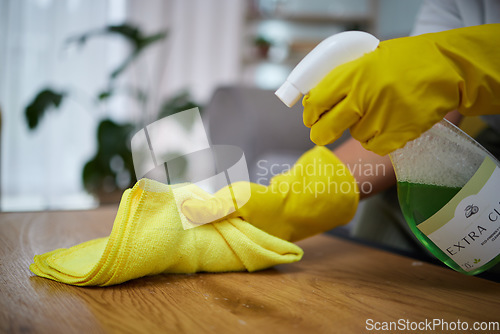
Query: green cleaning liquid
(419, 202)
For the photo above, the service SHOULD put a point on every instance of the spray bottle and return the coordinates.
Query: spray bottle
(448, 184)
(330, 53)
(449, 192)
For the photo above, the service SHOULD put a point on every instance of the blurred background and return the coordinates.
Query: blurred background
(79, 77)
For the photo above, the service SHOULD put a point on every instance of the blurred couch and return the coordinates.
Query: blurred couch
(271, 135)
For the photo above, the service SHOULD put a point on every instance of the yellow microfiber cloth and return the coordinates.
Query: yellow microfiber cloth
(148, 238)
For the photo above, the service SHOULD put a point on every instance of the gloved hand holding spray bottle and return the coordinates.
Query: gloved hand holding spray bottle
(448, 184)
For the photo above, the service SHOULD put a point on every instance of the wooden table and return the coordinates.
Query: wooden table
(336, 288)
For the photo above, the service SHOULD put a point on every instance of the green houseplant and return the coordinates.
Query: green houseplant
(263, 45)
(111, 168)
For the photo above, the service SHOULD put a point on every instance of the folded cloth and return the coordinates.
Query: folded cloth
(148, 238)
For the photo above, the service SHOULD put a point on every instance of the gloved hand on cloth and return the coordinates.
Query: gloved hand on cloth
(148, 238)
(393, 94)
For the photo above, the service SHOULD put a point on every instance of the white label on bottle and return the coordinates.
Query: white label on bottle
(467, 228)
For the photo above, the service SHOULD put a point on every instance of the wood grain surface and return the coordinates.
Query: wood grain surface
(335, 288)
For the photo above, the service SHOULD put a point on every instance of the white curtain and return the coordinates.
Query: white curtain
(41, 169)
(203, 46)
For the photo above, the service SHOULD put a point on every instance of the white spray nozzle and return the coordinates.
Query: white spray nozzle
(330, 53)
(288, 94)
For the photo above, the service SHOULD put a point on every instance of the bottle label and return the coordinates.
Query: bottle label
(467, 228)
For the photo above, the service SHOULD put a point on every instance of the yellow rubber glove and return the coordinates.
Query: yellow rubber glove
(393, 94)
(148, 238)
(316, 195)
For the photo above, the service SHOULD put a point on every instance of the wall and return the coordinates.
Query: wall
(396, 17)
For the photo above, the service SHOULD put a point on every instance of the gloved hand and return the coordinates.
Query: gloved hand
(316, 195)
(393, 94)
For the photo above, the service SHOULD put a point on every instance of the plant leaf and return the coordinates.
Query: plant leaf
(128, 31)
(43, 101)
(83, 38)
(123, 66)
(112, 139)
(105, 94)
(151, 39)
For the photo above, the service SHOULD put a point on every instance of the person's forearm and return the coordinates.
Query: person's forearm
(373, 173)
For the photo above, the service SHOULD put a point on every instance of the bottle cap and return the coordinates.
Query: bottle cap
(288, 94)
